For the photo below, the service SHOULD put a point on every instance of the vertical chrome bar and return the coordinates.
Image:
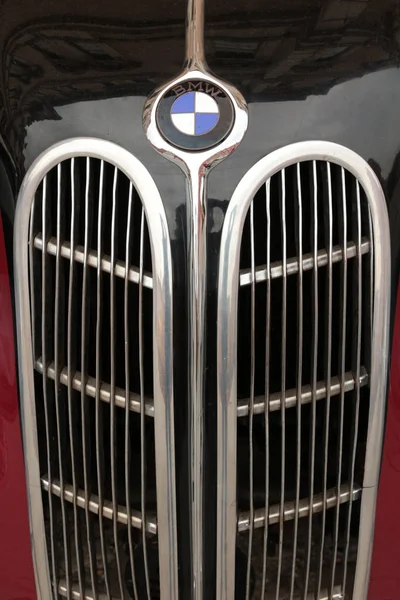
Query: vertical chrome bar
(56, 385)
(84, 401)
(99, 407)
(328, 357)
(283, 380)
(251, 407)
(32, 275)
(299, 368)
(356, 368)
(44, 383)
(342, 368)
(197, 260)
(195, 35)
(267, 383)
(127, 389)
(314, 375)
(142, 410)
(112, 386)
(195, 166)
(371, 274)
(70, 393)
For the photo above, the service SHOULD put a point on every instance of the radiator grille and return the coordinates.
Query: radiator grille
(299, 384)
(98, 396)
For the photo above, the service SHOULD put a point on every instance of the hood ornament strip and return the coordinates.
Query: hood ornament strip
(196, 121)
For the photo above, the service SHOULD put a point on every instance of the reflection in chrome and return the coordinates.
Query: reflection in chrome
(196, 166)
(35, 324)
(284, 169)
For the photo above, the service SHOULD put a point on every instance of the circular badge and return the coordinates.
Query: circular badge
(195, 115)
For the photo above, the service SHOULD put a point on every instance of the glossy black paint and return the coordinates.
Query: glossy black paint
(309, 69)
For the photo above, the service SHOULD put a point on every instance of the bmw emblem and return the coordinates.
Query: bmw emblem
(195, 115)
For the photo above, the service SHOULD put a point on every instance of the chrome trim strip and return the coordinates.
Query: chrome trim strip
(228, 286)
(196, 166)
(292, 265)
(163, 351)
(342, 366)
(92, 260)
(111, 512)
(289, 509)
(194, 56)
(315, 351)
(327, 361)
(104, 389)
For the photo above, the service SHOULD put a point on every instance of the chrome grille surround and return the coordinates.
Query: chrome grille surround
(160, 407)
(231, 279)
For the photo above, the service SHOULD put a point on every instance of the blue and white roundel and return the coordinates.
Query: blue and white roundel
(195, 113)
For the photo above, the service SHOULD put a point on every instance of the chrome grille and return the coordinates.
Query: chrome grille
(93, 272)
(302, 359)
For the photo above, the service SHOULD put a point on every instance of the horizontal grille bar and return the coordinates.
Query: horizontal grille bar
(289, 509)
(92, 260)
(76, 595)
(105, 389)
(292, 264)
(88, 595)
(93, 505)
(306, 394)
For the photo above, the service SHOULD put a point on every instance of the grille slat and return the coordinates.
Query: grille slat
(143, 482)
(86, 446)
(314, 385)
(127, 398)
(308, 261)
(113, 449)
(44, 390)
(342, 367)
(328, 309)
(57, 400)
(92, 260)
(77, 595)
(108, 511)
(346, 384)
(99, 421)
(290, 331)
(283, 379)
(121, 397)
(71, 303)
(357, 327)
(267, 399)
(299, 369)
(290, 511)
(251, 406)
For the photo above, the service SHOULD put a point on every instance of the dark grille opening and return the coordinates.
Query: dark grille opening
(93, 353)
(304, 329)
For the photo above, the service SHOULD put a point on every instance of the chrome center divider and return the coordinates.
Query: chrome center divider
(196, 164)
